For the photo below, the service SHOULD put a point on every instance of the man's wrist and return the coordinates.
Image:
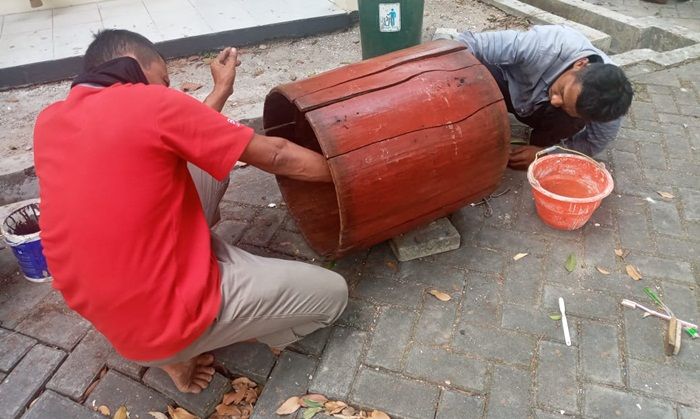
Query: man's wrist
(220, 90)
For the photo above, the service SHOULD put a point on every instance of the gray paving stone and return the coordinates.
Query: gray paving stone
(252, 186)
(52, 405)
(237, 212)
(536, 322)
(25, 380)
(632, 224)
(436, 322)
(605, 402)
(599, 247)
(683, 301)
(380, 262)
(436, 237)
(468, 221)
(581, 302)
(202, 404)
(116, 390)
(126, 367)
(454, 405)
(446, 368)
(384, 290)
(473, 258)
(53, 322)
(600, 356)
(512, 241)
(290, 377)
(675, 248)
(18, 298)
(2, 376)
(359, 314)
(339, 363)
(510, 394)
(663, 268)
(395, 395)
(8, 263)
(618, 282)
(264, 226)
(482, 300)
(644, 336)
(555, 264)
(523, 281)
(447, 279)
(390, 338)
(13, 346)
(502, 345)
(685, 412)
(556, 377)
(253, 360)
(82, 366)
(230, 230)
(540, 414)
(691, 204)
(662, 380)
(665, 219)
(642, 110)
(314, 343)
(293, 244)
(653, 155)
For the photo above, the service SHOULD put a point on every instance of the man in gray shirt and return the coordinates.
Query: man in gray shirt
(554, 80)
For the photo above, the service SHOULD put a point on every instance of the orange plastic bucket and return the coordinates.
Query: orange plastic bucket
(568, 189)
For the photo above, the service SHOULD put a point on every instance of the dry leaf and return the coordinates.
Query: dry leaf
(313, 400)
(555, 316)
(334, 407)
(349, 411)
(104, 410)
(158, 415)
(392, 265)
(602, 270)
(377, 414)
(311, 412)
(225, 410)
(645, 315)
(290, 406)
(570, 264)
(236, 398)
(180, 413)
(121, 413)
(245, 381)
(251, 396)
(229, 397)
(440, 295)
(622, 253)
(190, 87)
(633, 272)
(516, 257)
(665, 195)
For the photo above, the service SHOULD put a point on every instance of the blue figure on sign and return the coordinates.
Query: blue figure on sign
(392, 18)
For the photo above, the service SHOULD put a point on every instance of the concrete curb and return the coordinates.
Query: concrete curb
(644, 45)
(18, 180)
(61, 69)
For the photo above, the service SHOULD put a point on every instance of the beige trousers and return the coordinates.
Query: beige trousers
(274, 301)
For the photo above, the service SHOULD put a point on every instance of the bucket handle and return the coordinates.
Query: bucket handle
(554, 147)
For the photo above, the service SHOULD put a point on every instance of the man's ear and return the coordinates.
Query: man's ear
(579, 64)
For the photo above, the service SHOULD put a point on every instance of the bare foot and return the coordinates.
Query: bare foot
(192, 376)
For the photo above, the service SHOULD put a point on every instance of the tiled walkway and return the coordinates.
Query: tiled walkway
(44, 35)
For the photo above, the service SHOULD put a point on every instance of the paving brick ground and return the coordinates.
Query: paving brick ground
(492, 351)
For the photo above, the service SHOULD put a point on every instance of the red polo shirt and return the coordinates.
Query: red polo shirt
(122, 227)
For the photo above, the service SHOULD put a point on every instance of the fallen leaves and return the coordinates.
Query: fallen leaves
(633, 272)
(158, 415)
(520, 256)
(665, 195)
(570, 264)
(180, 413)
(440, 295)
(622, 253)
(602, 270)
(121, 413)
(392, 265)
(239, 402)
(104, 410)
(555, 316)
(314, 404)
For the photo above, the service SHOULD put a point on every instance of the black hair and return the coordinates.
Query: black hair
(606, 94)
(114, 43)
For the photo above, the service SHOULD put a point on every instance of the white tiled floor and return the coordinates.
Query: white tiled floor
(47, 34)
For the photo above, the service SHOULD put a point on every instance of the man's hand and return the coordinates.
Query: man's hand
(223, 71)
(521, 157)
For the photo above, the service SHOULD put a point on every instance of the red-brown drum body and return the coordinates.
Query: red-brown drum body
(409, 137)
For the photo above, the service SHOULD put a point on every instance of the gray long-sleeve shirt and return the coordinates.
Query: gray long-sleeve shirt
(531, 62)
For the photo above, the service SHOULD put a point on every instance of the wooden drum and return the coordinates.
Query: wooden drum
(409, 137)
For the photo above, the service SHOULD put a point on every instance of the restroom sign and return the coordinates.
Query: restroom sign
(389, 17)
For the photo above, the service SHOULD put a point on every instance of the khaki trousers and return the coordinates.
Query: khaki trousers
(274, 301)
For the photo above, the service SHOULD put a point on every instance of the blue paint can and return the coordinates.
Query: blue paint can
(21, 231)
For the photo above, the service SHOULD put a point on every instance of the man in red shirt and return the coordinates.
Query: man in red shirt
(131, 174)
